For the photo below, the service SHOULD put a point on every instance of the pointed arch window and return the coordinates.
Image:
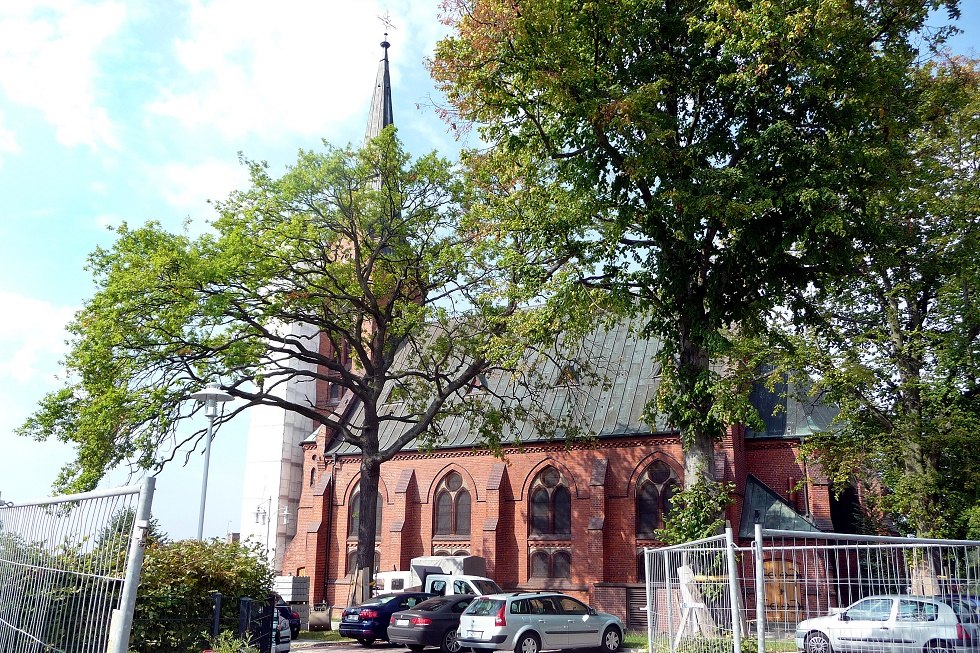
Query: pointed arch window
(354, 517)
(352, 561)
(655, 489)
(551, 504)
(452, 506)
(551, 563)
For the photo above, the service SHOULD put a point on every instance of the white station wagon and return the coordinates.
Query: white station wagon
(893, 624)
(528, 622)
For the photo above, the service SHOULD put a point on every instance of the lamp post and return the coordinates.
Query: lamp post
(211, 396)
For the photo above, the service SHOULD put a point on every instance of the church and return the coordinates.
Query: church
(548, 514)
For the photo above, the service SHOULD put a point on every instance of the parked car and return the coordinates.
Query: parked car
(292, 617)
(893, 624)
(368, 621)
(528, 622)
(283, 637)
(430, 623)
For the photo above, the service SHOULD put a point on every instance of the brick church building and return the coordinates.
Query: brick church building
(548, 515)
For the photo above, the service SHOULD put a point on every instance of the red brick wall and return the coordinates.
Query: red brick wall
(603, 495)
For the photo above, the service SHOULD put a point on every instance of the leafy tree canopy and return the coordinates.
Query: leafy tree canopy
(895, 344)
(720, 153)
(364, 247)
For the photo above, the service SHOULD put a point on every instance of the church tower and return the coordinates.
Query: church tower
(273, 475)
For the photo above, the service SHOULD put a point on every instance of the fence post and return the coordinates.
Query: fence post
(670, 607)
(216, 615)
(760, 590)
(648, 568)
(122, 618)
(733, 595)
(244, 616)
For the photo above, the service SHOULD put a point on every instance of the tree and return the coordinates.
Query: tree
(354, 269)
(717, 154)
(895, 344)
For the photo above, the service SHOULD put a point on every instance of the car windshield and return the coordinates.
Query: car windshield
(487, 587)
(484, 606)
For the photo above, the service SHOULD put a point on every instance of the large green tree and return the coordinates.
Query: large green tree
(896, 344)
(354, 268)
(717, 153)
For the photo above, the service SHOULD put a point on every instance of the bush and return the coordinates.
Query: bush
(175, 601)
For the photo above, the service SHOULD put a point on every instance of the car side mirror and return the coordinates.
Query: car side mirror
(592, 611)
(844, 617)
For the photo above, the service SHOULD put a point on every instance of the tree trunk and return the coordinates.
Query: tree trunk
(698, 432)
(367, 526)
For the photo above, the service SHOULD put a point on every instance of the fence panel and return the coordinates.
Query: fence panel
(696, 602)
(690, 598)
(69, 568)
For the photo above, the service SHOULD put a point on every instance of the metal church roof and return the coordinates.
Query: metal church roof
(380, 115)
(604, 383)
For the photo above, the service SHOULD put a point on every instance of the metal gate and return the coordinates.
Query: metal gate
(69, 569)
(713, 596)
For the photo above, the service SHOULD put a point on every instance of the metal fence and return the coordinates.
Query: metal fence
(69, 569)
(712, 595)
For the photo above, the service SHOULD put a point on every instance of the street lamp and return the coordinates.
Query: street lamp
(265, 516)
(211, 396)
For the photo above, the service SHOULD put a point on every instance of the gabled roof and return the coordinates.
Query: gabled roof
(620, 378)
(765, 507)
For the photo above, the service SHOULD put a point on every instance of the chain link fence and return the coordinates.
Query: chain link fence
(69, 569)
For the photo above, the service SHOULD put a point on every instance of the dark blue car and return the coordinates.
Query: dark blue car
(368, 621)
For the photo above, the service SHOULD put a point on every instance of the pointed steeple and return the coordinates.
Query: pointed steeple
(380, 115)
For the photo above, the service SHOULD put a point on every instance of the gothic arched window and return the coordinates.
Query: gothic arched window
(354, 518)
(352, 561)
(654, 491)
(551, 563)
(551, 504)
(452, 506)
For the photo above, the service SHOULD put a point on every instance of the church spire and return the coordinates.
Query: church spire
(380, 115)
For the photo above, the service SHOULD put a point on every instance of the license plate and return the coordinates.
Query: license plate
(475, 634)
(353, 617)
(401, 622)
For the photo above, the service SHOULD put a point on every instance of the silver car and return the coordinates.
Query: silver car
(528, 622)
(893, 624)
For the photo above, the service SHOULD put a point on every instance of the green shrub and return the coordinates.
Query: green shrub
(175, 600)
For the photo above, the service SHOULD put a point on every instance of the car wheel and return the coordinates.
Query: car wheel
(365, 642)
(939, 646)
(612, 640)
(415, 647)
(450, 643)
(528, 644)
(817, 642)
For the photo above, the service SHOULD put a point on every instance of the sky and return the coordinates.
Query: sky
(136, 110)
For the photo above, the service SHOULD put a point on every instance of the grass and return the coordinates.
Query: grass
(638, 640)
(323, 636)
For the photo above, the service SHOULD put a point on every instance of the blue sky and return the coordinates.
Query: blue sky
(135, 110)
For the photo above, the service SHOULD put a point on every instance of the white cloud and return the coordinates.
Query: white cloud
(299, 66)
(33, 340)
(47, 62)
(190, 185)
